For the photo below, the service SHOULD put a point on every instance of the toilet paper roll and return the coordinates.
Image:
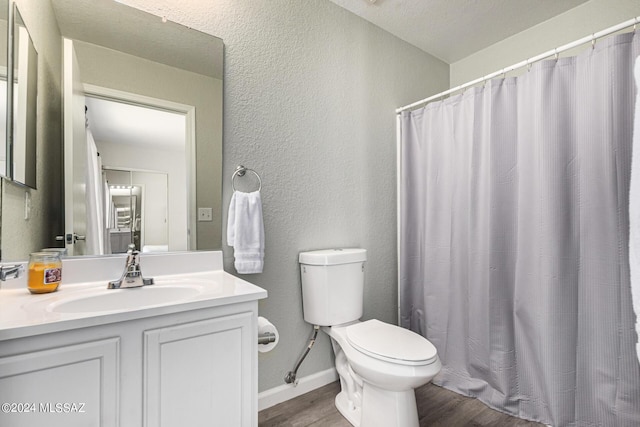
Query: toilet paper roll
(265, 326)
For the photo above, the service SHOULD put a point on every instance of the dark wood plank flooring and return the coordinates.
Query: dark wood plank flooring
(437, 407)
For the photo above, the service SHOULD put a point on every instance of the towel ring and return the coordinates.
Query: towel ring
(240, 171)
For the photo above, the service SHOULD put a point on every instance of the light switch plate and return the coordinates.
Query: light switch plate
(205, 214)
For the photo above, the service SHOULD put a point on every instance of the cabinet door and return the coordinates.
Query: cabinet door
(200, 373)
(68, 386)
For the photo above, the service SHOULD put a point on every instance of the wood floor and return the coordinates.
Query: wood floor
(437, 407)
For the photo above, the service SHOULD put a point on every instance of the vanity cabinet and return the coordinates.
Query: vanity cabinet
(192, 368)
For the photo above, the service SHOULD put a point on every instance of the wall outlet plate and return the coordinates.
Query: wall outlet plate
(205, 214)
(27, 205)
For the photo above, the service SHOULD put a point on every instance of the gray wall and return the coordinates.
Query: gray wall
(309, 97)
(20, 236)
(588, 18)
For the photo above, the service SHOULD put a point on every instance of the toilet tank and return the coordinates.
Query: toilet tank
(332, 285)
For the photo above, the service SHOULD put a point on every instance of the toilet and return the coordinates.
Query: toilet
(379, 364)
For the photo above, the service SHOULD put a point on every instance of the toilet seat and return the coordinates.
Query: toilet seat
(390, 343)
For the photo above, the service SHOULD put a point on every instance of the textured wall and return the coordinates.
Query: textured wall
(574, 24)
(309, 97)
(20, 236)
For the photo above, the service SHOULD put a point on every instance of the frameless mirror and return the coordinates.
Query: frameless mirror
(118, 62)
(22, 168)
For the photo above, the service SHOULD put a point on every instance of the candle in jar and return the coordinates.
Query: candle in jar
(45, 272)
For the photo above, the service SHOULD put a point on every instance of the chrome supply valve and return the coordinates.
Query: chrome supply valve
(132, 275)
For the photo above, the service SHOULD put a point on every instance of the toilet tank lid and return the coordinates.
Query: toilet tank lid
(333, 256)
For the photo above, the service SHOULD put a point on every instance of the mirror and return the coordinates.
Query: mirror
(4, 28)
(22, 168)
(127, 60)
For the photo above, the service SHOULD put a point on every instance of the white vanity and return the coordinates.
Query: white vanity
(181, 352)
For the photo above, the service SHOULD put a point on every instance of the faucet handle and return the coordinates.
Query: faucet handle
(132, 253)
(132, 258)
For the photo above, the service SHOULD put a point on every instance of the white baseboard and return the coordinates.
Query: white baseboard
(271, 397)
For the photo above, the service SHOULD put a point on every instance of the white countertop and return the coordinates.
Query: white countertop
(23, 314)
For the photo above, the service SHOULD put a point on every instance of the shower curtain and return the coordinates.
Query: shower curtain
(95, 241)
(514, 239)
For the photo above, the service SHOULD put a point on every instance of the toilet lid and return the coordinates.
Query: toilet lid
(392, 343)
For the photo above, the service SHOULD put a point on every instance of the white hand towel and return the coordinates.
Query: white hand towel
(245, 231)
(634, 211)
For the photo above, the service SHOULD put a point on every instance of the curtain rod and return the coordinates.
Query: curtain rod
(553, 52)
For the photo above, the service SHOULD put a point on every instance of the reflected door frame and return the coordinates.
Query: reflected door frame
(75, 152)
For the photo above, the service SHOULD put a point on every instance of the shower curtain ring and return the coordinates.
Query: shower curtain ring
(593, 41)
(556, 54)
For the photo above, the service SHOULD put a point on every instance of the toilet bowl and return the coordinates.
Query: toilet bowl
(379, 364)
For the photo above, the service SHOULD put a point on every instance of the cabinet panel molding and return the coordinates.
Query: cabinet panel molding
(74, 385)
(200, 373)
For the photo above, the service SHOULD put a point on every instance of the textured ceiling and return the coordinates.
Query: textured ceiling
(129, 124)
(116, 26)
(454, 29)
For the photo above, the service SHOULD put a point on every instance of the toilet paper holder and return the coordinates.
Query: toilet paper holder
(266, 338)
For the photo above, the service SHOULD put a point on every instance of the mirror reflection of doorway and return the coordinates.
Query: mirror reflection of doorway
(143, 164)
(136, 210)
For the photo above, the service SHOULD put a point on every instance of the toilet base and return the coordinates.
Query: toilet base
(351, 413)
(388, 408)
(380, 408)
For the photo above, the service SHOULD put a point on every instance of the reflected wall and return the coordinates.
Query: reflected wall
(32, 218)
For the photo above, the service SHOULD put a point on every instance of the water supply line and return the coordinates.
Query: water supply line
(291, 375)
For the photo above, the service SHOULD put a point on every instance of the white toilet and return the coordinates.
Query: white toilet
(379, 364)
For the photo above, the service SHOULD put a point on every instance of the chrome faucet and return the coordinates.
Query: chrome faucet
(11, 271)
(132, 275)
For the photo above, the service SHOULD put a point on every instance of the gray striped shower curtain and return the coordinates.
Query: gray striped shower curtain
(514, 238)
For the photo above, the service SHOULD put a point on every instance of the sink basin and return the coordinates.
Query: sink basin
(125, 299)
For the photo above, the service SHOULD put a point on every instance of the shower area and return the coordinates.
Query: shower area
(514, 234)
